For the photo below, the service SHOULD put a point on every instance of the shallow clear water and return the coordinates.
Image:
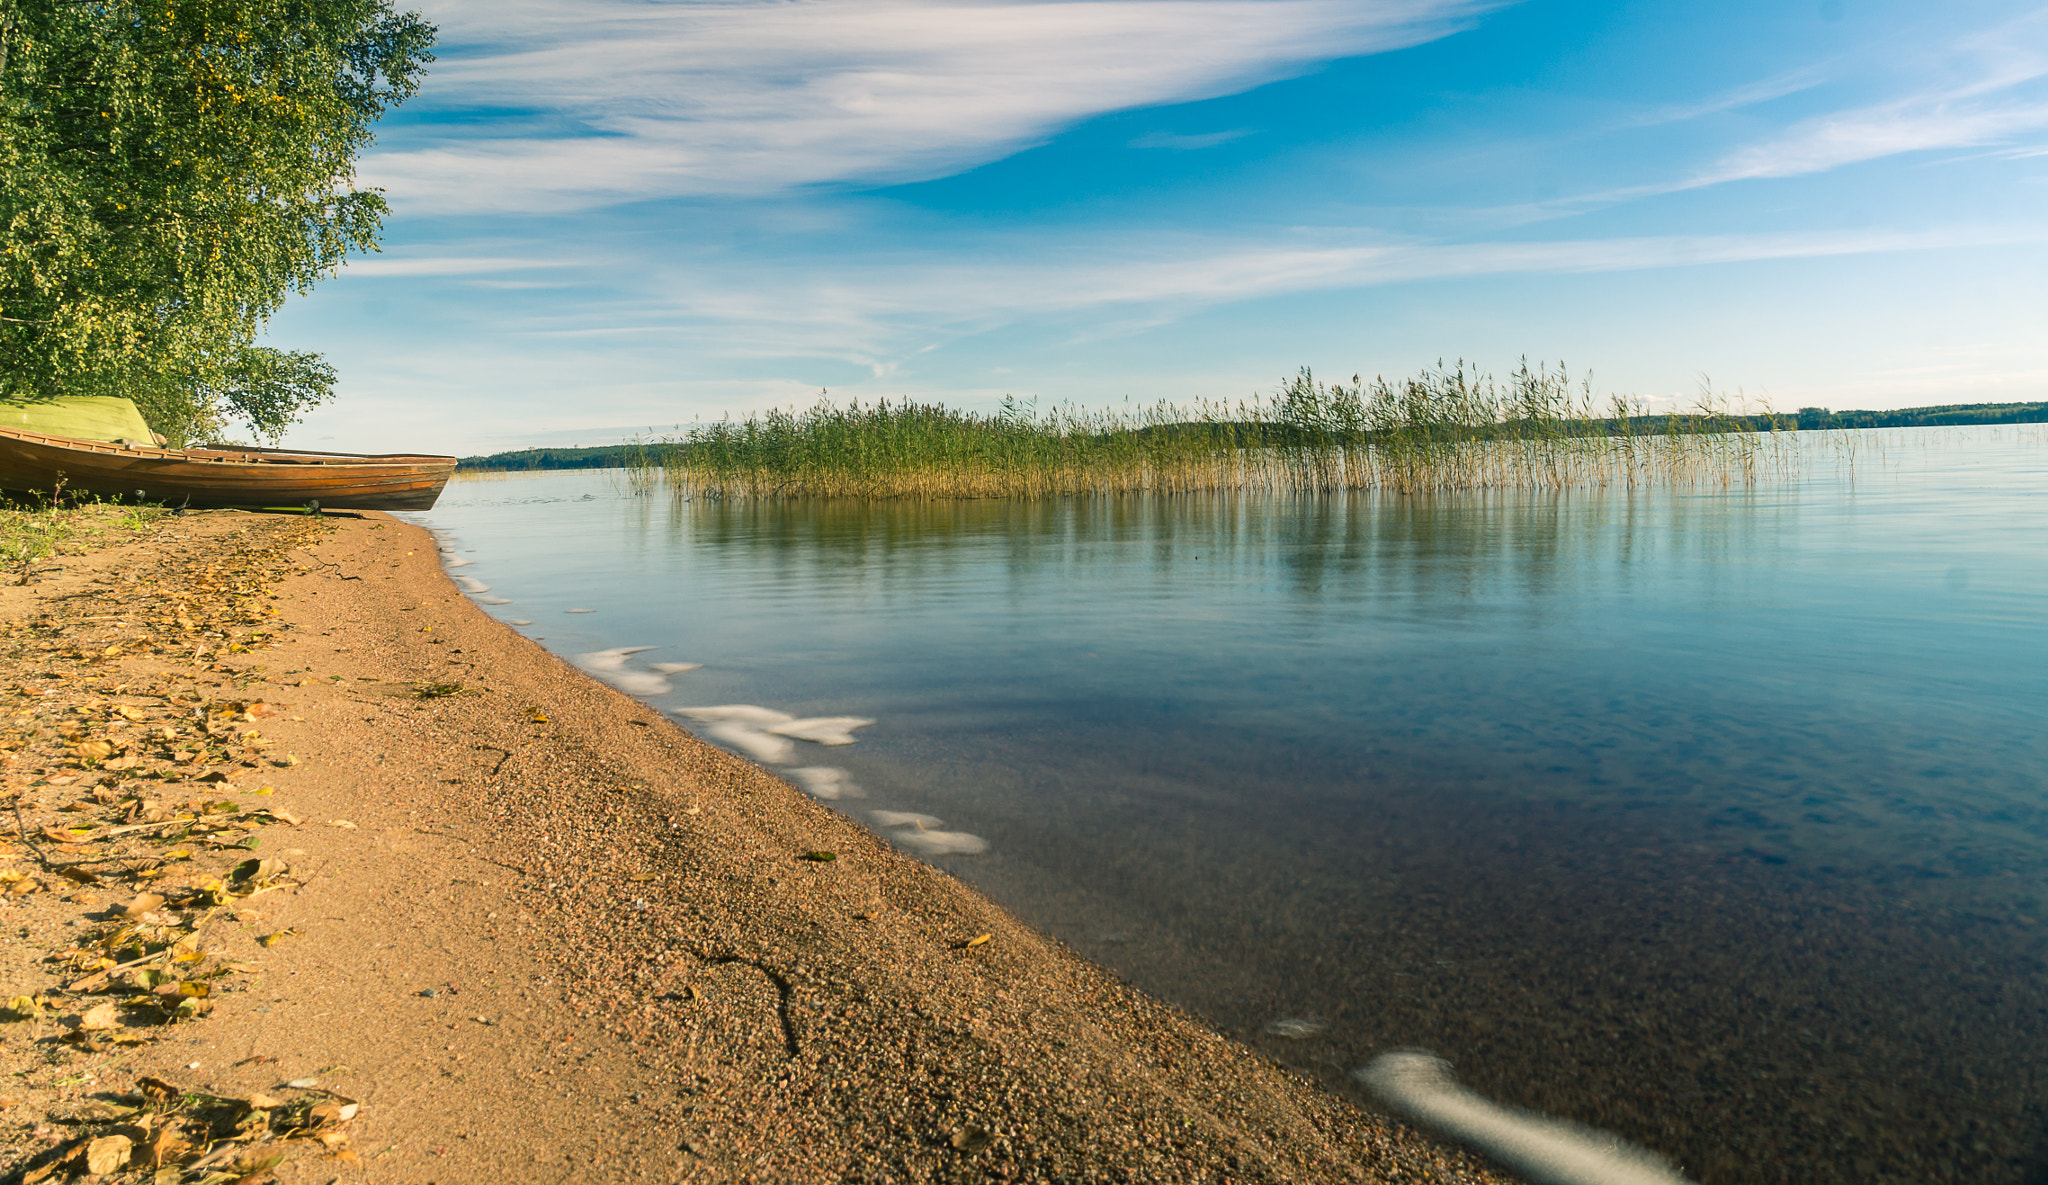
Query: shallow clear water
(1712, 817)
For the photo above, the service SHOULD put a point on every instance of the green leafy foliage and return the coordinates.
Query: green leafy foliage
(170, 171)
(266, 388)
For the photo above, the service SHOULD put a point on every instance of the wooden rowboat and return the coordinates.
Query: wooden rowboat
(199, 477)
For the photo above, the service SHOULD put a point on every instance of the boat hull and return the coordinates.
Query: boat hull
(207, 478)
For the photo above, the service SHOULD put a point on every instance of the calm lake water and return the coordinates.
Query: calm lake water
(1715, 818)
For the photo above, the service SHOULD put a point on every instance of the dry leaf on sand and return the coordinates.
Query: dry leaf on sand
(168, 1145)
(107, 1153)
(259, 870)
(332, 1113)
(257, 1160)
(99, 1019)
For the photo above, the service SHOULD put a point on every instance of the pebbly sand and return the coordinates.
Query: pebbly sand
(533, 931)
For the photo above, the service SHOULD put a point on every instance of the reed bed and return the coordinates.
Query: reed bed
(1446, 429)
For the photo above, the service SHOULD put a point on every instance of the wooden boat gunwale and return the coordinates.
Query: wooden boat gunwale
(254, 476)
(148, 450)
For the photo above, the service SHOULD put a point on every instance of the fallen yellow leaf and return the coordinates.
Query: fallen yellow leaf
(99, 1019)
(107, 1154)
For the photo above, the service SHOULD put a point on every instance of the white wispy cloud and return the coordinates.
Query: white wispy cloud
(885, 315)
(1189, 143)
(1984, 94)
(1736, 98)
(446, 265)
(877, 312)
(746, 97)
(1987, 90)
(1990, 371)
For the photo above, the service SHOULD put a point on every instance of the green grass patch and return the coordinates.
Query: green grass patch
(35, 528)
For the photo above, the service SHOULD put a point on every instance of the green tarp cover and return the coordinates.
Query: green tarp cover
(83, 417)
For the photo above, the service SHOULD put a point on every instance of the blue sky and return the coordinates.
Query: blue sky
(613, 215)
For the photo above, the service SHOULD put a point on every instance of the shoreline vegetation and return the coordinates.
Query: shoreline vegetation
(1446, 429)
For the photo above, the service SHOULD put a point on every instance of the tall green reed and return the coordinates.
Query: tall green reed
(1445, 429)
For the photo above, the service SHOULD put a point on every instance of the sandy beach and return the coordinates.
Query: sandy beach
(334, 878)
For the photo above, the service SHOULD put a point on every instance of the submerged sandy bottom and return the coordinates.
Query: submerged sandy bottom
(552, 936)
